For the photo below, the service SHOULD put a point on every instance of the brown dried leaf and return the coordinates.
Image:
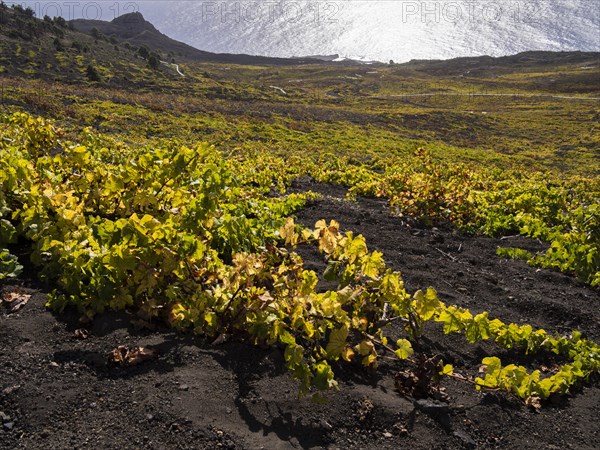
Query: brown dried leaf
(16, 300)
(81, 333)
(534, 402)
(139, 354)
(119, 354)
(136, 355)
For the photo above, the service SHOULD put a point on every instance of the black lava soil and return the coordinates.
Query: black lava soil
(58, 391)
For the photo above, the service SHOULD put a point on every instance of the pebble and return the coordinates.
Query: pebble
(9, 390)
(4, 417)
(432, 406)
(9, 425)
(387, 435)
(465, 438)
(326, 425)
(184, 387)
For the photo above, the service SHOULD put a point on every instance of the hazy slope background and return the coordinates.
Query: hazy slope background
(363, 29)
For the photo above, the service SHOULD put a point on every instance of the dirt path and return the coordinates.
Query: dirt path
(60, 392)
(176, 66)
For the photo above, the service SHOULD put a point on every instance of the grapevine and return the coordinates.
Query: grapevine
(189, 237)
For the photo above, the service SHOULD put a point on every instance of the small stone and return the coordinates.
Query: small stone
(387, 435)
(228, 410)
(9, 390)
(149, 417)
(4, 417)
(54, 364)
(432, 406)
(9, 425)
(184, 387)
(465, 438)
(326, 425)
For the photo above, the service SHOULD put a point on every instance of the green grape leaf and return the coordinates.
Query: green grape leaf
(426, 305)
(337, 342)
(405, 349)
(324, 377)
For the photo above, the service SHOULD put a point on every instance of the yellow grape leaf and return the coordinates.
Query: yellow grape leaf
(327, 235)
(211, 319)
(308, 328)
(373, 264)
(405, 349)
(370, 360)
(321, 224)
(426, 305)
(79, 149)
(293, 354)
(288, 232)
(323, 376)
(287, 338)
(365, 348)
(307, 234)
(360, 322)
(337, 342)
(356, 249)
(334, 226)
(327, 242)
(177, 313)
(491, 366)
(447, 370)
(454, 319)
(347, 354)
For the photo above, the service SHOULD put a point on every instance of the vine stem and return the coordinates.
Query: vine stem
(454, 375)
(387, 347)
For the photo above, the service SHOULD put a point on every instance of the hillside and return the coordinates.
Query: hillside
(134, 29)
(53, 49)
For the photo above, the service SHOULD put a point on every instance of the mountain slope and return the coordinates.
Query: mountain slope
(136, 30)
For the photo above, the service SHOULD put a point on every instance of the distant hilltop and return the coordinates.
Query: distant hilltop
(319, 57)
(136, 30)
